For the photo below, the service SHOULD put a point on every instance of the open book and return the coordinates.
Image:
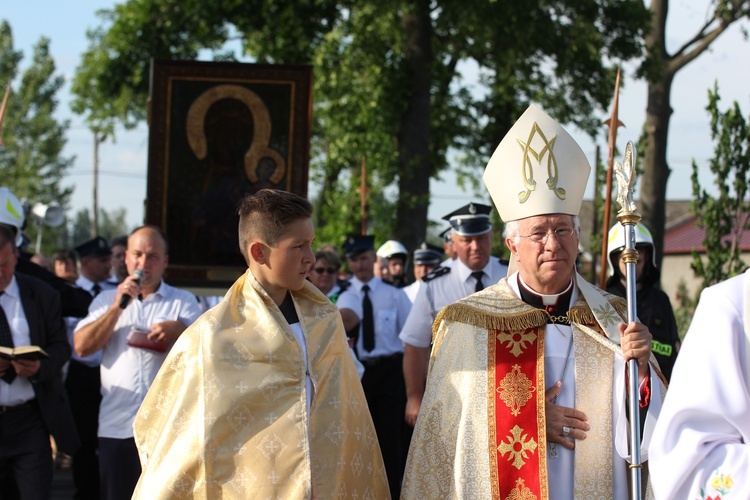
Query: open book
(138, 337)
(23, 352)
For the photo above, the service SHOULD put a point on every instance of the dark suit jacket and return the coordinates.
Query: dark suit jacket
(41, 304)
(74, 301)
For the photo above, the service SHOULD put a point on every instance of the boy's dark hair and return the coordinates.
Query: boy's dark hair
(266, 214)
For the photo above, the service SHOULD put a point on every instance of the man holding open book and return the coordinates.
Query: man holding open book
(32, 399)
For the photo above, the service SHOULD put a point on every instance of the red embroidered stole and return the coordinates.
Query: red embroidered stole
(518, 462)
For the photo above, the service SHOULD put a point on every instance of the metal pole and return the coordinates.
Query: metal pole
(629, 217)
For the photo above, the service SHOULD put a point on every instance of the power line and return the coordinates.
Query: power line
(454, 196)
(108, 173)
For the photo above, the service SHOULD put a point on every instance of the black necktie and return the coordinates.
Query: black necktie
(368, 325)
(6, 340)
(478, 275)
(96, 289)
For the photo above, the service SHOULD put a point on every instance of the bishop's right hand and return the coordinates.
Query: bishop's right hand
(564, 425)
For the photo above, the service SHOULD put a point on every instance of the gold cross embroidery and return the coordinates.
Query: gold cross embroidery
(516, 342)
(517, 448)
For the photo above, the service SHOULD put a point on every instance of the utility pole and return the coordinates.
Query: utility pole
(363, 189)
(98, 139)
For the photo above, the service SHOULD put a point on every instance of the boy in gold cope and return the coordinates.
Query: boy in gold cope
(260, 398)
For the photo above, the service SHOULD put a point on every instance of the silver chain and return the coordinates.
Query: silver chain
(553, 446)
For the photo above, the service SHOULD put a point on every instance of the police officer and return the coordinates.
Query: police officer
(83, 381)
(96, 266)
(384, 309)
(448, 248)
(472, 271)
(426, 258)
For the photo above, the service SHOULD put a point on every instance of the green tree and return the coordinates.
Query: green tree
(388, 83)
(92, 99)
(660, 69)
(81, 226)
(101, 111)
(684, 308)
(111, 224)
(725, 218)
(31, 162)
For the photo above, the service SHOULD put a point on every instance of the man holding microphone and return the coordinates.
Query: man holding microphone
(134, 325)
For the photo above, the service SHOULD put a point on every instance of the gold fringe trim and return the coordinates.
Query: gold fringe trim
(620, 304)
(527, 317)
(462, 313)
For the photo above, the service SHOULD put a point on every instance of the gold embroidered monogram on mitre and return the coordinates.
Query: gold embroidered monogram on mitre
(528, 166)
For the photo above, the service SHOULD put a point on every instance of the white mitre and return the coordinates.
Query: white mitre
(538, 168)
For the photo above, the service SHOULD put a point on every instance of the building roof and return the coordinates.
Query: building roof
(676, 209)
(684, 235)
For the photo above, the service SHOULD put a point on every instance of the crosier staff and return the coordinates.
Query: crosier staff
(629, 217)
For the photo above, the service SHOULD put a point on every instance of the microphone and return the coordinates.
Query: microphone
(125, 300)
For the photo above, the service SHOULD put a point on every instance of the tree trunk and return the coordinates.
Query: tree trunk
(415, 163)
(658, 112)
(661, 70)
(329, 182)
(655, 167)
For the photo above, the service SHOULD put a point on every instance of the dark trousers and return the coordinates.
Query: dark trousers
(83, 385)
(25, 454)
(119, 468)
(385, 390)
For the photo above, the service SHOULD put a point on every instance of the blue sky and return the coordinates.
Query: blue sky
(123, 164)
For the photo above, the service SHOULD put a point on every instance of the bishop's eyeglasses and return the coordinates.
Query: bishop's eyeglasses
(540, 237)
